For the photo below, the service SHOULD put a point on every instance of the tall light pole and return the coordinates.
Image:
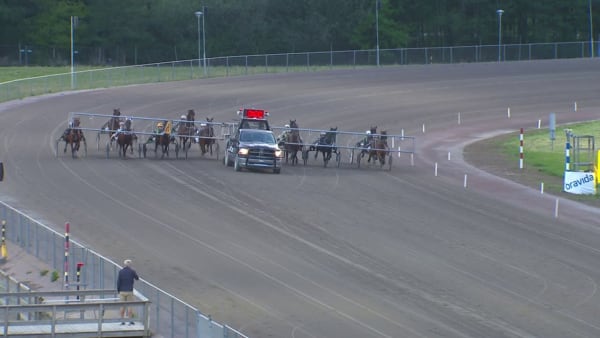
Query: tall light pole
(198, 15)
(499, 33)
(591, 31)
(74, 21)
(377, 7)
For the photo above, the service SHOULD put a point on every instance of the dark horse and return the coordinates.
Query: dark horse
(162, 139)
(325, 145)
(206, 136)
(293, 143)
(113, 124)
(186, 130)
(378, 148)
(73, 136)
(125, 139)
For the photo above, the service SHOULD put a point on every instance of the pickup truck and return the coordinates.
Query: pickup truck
(253, 149)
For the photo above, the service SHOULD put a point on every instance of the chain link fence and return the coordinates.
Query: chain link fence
(169, 316)
(286, 62)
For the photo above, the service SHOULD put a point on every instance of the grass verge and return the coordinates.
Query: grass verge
(544, 160)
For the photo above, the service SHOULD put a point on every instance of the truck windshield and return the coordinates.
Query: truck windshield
(257, 137)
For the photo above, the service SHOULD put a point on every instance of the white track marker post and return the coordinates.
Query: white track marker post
(399, 152)
(402, 134)
(449, 156)
(575, 106)
(435, 169)
(423, 128)
(412, 159)
(521, 149)
(459, 118)
(508, 112)
(542, 188)
(556, 209)
(539, 124)
(465, 182)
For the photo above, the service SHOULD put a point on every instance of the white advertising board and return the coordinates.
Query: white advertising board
(579, 183)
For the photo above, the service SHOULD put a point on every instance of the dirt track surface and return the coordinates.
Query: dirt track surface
(328, 252)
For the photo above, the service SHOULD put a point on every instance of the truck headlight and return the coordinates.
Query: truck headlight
(243, 151)
(279, 153)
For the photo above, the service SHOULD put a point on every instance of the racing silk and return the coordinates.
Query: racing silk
(168, 127)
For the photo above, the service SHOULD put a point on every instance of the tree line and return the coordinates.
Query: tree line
(143, 31)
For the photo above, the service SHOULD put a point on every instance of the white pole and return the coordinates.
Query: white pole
(399, 153)
(542, 188)
(412, 160)
(556, 209)
(575, 106)
(435, 169)
(423, 128)
(402, 134)
(204, 40)
(459, 118)
(539, 124)
(508, 112)
(377, 5)
(72, 58)
(591, 31)
(465, 181)
(449, 156)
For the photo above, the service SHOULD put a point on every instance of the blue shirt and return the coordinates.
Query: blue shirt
(126, 278)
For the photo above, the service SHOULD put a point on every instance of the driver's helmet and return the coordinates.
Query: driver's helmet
(368, 132)
(286, 126)
(183, 117)
(160, 125)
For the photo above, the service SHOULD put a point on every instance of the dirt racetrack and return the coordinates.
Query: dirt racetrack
(335, 252)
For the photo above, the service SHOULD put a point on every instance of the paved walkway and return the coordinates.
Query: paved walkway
(29, 270)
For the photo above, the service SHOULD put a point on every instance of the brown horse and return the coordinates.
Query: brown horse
(186, 130)
(206, 136)
(378, 148)
(293, 143)
(125, 139)
(74, 137)
(163, 140)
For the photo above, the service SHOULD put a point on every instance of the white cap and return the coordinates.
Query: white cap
(287, 126)
(183, 117)
(127, 262)
(368, 132)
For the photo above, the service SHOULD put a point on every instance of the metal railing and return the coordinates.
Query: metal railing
(168, 315)
(285, 62)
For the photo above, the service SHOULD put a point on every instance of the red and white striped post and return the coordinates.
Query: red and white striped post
(521, 149)
(66, 279)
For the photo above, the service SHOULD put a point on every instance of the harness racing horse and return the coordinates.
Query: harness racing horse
(185, 130)
(74, 137)
(378, 148)
(293, 143)
(162, 139)
(206, 137)
(365, 143)
(125, 139)
(326, 145)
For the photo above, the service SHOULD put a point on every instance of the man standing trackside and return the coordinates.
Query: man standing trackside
(125, 280)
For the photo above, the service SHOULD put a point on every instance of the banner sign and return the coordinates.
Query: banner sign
(580, 183)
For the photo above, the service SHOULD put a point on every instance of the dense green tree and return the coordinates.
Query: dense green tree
(125, 32)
